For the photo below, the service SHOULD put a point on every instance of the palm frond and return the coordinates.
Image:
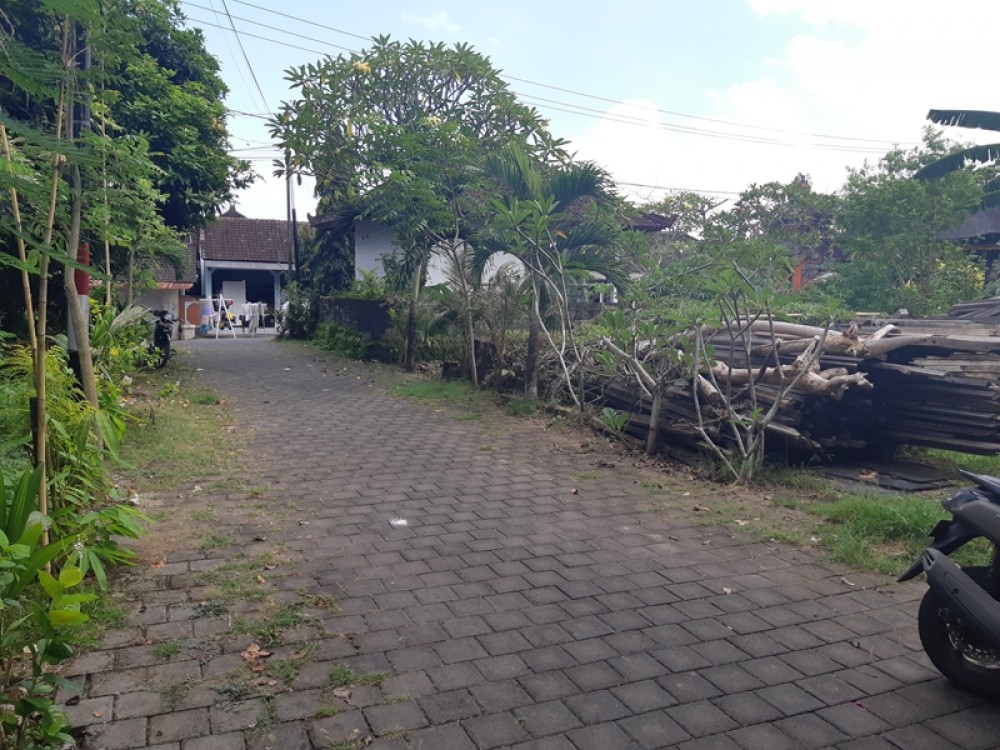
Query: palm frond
(966, 118)
(516, 173)
(991, 193)
(957, 160)
(577, 180)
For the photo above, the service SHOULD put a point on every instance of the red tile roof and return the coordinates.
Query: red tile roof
(234, 237)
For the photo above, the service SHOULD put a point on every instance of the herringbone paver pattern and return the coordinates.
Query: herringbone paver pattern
(510, 611)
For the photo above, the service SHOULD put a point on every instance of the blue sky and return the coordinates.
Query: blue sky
(711, 95)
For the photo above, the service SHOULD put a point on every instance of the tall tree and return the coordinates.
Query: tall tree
(396, 133)
(891, 228)
(162, 82)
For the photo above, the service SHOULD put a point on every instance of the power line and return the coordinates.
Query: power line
(576, 109)
(263, 38)
(561, 89)
(239, 41)
(280, 30)
(304, 20)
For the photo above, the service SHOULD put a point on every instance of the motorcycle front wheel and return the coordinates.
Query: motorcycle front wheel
(958, 654)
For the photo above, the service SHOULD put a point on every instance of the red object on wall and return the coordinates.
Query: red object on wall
(82, 278)
(797, 277)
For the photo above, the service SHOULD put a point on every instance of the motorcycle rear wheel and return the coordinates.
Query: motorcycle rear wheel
(956, 654)
(164, 355)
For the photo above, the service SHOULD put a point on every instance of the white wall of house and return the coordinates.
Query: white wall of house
(373, 240)
(162, 299)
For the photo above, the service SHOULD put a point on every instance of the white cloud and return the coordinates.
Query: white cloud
(858, 69)
(438, 21)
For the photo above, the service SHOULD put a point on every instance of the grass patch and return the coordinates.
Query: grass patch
(108, 611)
(521, 407)
(173, 441)
(884, 533)
(215, 541)
(588, 474)
(269, 627)
(455, 391)
(286, 670)
(343, 676)
(203, 514)
(952, 461)
(204, 397)
(237, 581)
(326, 711)
(168, 650)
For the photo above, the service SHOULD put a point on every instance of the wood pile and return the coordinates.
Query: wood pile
(904, 383)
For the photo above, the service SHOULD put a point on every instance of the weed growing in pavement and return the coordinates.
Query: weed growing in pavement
(210, 609)
(326, 711)
(342, 675)
(239, 580)
(234, 692)
(174, 695)
(269, 627)
(390, 699)
(286, 670)
(203, 514)
(168, 650)
(588, 474)
(352, 743)
(215, 541)
(268, 717)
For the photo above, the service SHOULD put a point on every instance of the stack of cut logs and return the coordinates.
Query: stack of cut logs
(875, 386)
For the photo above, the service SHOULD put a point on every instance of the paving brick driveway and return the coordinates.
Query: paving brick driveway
(508, 612)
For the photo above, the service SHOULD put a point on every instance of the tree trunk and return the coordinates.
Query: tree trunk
(130, 280)
(87, 378)
(653, 438)
(410, 360)
(531, 358)
(471, 336)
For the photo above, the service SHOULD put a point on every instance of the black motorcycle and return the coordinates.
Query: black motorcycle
(959, 617)
(163, 329)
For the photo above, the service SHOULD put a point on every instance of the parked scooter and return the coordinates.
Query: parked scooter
(163, 329)
(959, 616)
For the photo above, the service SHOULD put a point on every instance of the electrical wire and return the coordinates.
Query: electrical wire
(574, 92)
(579, 110)
(239, 41)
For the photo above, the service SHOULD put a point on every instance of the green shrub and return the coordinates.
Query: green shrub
(37, 613)
(347, 342)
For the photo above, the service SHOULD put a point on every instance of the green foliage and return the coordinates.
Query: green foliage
(368, 285)
(119, 345)
(891, 224)
(37, 611)
(302, 316)
(347, 342)
(883, 533)
(436, 390)
(615, 420)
